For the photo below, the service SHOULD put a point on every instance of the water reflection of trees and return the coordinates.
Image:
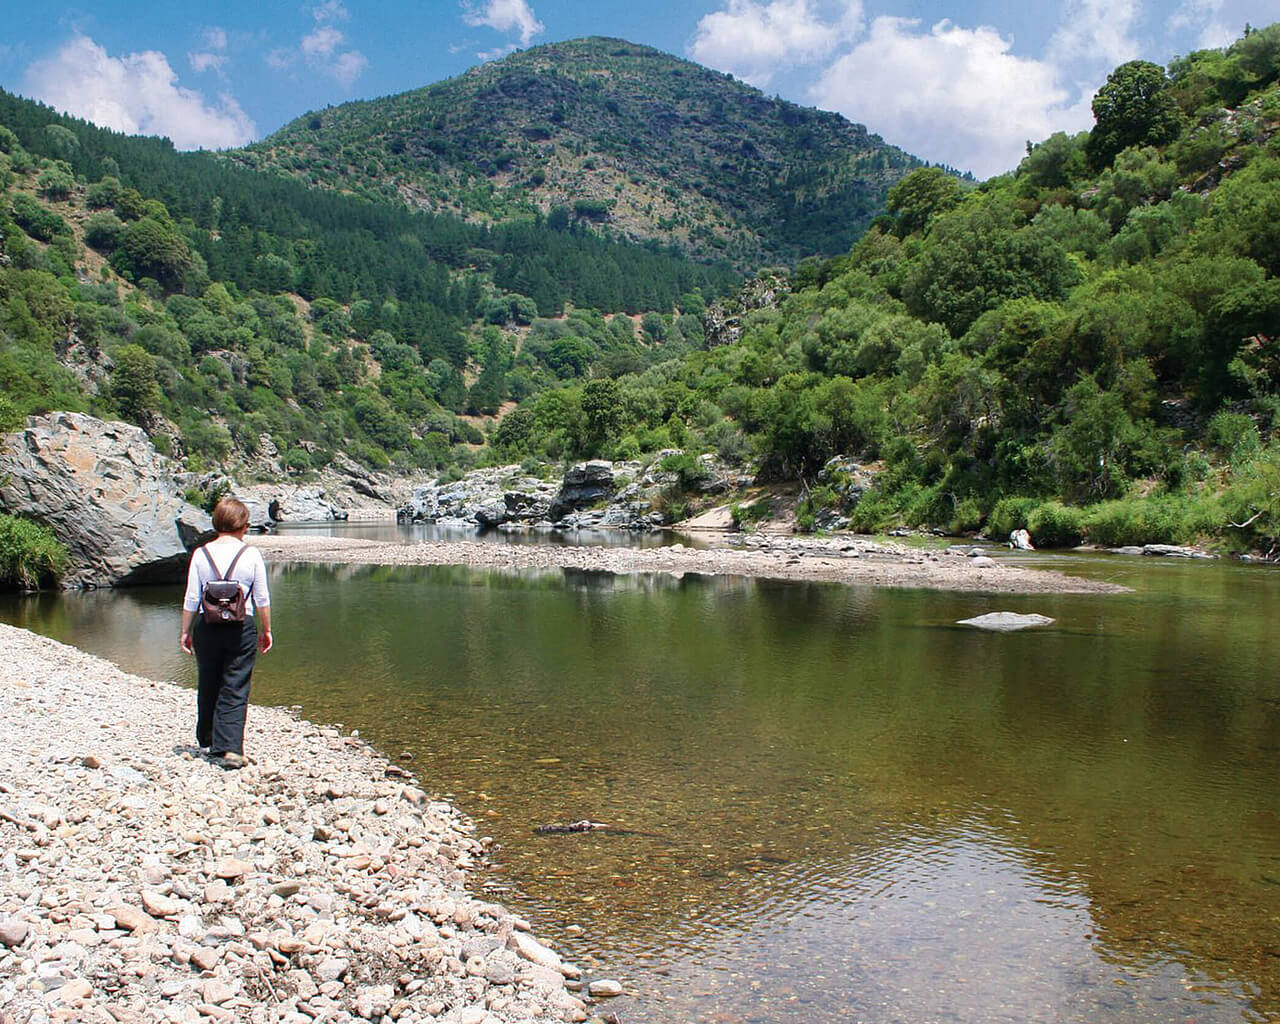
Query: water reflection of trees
(773, 735)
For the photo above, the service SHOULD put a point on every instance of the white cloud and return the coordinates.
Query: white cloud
(322, 42)
(322, 48)
(951, 94)
(137, 93)
(1096, 34)
(1206, 20)
(331, 10)
(212, 57)
(202, 62)
(755, 40)
(498, 52)
(504, 16)
(349, 66)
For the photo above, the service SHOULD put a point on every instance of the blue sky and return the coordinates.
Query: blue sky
(966, 84)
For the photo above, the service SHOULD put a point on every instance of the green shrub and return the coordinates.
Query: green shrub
(30, 555)
(745, 517)
(1009, 514)
(874, 512)
(1167, 519)
(819, 499)
(35, 220)
(687, 467)
(966, 518)
(1251, 504)
(1234, 434)
(1054, 525)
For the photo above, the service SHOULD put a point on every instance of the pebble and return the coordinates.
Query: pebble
(12, 932)
(206, 957)
(604, 988)
(231, 868)
(131, 919)
(75, 990)
(159, 906)
(275, 895)
(735, 554)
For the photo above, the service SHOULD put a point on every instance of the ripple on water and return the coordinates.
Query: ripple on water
(925, 924)
(837, 810)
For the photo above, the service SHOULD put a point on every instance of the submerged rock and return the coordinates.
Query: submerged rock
(1006, 622)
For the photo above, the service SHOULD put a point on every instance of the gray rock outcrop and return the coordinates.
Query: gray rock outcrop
(591, 495)
(106, 493)
(270, 504)
(585, 484)
(1173, 551)
(722, 323)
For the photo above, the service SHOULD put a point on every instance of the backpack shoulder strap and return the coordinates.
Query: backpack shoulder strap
(212, 564)
(232, 567)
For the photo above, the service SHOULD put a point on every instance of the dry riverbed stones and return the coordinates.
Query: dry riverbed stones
(140, 884)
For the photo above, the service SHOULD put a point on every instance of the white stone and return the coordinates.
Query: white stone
(1006, 622)
(535, 952)
(605, 988)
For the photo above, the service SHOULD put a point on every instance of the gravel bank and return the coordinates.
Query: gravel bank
(857, 561)
(140, 883)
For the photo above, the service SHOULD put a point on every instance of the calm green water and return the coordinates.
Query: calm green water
(837, 804)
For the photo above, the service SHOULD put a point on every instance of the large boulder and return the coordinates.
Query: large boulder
(106, 493)
(274, 503)
(584, 485)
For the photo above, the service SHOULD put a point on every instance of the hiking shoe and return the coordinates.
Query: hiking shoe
(229, 759)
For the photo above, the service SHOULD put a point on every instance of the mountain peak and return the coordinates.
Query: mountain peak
(610, 134)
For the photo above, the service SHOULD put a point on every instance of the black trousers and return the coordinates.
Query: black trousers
(225, 654)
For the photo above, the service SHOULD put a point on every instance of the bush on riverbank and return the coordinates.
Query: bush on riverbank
(30, 555)
(1161, 519)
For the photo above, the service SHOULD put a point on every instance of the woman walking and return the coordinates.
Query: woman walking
(225, 637)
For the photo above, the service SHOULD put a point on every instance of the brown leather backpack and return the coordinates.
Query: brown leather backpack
(223, 601)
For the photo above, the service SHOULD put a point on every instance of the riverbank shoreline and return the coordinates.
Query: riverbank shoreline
(140, 882)
(857, 561)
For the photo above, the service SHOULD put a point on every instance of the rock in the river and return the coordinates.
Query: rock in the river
(106, 493)
(605, 988)
(1174, 551)
(1006, 622)
(1020, 540)
(535, 952)
(493, 514)
(584, 484)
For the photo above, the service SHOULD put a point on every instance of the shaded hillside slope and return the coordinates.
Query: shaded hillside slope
(622, 136)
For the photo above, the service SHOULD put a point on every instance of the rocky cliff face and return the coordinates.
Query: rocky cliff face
(591, 495)
(107, 494)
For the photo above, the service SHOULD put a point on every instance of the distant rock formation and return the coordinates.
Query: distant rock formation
(591, 495)
(106, 493)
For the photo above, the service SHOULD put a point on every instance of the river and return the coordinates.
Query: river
(826, 803)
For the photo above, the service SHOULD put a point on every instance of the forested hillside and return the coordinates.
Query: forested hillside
(1086, 345)
(216, 305)
(604, 132)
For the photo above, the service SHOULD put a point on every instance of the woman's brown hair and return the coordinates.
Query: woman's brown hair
(230, 516)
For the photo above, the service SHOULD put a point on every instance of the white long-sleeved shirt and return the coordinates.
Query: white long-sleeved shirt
(251, 573)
